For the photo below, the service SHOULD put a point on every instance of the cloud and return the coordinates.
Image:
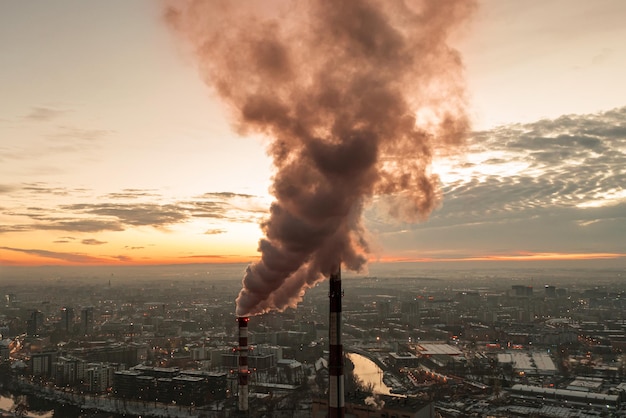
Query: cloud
(14, 228)
(132, 194)
(566, 162)
(225, 195)
(42, 188)
(124, 258)
(73, 133)
(44, 113)
(71, 139)
(207, 209)
(230, 207)
(147, 214)
(119, 211)
(71, 257)
(92, 241)
(5, 188)
(209, 256)
(552, 185)
(74, 225)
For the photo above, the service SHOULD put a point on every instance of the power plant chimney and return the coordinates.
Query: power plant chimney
(336, 401)
(243, 364)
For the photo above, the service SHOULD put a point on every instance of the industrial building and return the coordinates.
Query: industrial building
(190, 387)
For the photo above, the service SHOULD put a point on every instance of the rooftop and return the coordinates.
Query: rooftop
(432, 349)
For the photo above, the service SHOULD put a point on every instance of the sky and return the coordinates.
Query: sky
(114, 152)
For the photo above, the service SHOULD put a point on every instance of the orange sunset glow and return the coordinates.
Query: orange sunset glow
(118, 149)
(522, 256)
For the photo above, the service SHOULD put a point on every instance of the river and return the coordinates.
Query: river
(39, 407)
(364, 369)
(369, 373)
(7, 402)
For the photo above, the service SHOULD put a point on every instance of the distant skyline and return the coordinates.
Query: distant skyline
(113, 151)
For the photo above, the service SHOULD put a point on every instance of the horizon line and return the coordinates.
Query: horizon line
(519, 256)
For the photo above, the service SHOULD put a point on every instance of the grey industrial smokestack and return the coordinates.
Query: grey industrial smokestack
(243, 371)
(336, 399)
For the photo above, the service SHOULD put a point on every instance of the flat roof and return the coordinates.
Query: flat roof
(531, 362)
(585, 383)
(564, 392)
(128, 373)
(432, 349)
(188, 378)
(402, 355)
(543, 361)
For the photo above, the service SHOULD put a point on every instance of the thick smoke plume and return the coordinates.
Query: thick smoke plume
(355, 96)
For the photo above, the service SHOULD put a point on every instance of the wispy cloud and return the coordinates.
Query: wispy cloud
(553, 185)
(81, 134)
(92, 241)
(225, 195)
(130, 208)
(70, 257)
(44, 113)
(78, 225)
(209, 256)
(64, 240)
(132, 215)
(553, 163)
(132, 194)
(5, 188)
(43, 188)
(123, 258)
(14, 228)
(216, 231)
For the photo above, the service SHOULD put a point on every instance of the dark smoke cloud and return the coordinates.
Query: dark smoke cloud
(355, 95)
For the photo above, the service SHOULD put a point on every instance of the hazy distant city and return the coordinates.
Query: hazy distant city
(162, 342)
(357, 209)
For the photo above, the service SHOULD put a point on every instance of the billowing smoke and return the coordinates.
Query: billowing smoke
(375, 402)
(355, 96)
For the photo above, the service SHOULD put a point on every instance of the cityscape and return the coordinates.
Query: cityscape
(316, 209)
(545, 343)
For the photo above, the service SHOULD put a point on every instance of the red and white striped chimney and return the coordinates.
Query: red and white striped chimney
(243, 363)
(336, 401)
